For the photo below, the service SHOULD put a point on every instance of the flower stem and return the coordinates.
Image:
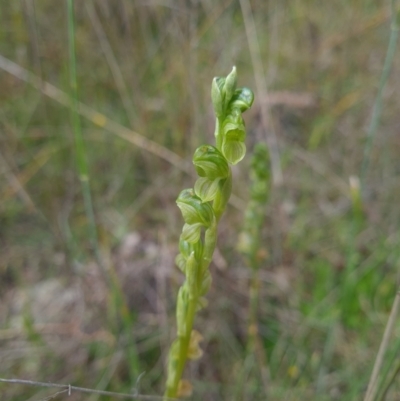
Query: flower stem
(172, 390)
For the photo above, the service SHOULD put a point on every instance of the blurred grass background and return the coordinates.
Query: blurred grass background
(330, 276)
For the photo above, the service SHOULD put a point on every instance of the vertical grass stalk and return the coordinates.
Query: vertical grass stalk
(82, 164)
(118, 302)
(372, 385)
(377, 109)
(202, 208)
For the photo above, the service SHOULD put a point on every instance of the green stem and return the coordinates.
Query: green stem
(82, 164)
(222, 198)
(252, 329)
(251, 355)
(377, 109)
(372, 385)
(119, 301)
(218, 133)
(172, 391)
(389, 383)
(210, 241)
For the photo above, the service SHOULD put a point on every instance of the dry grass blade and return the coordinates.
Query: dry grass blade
(92, 115)
(111, 60)
(15, 185)
(17, 182)
(261, 91)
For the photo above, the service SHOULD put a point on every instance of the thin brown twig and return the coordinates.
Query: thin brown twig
(70, 389)
(92, 115)
(15, 184)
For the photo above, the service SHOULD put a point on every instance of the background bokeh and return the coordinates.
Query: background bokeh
(144, 75)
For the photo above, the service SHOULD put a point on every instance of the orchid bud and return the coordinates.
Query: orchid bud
(191, 232)
(194, 211)
(242, 99)
(217, 95)
(211, 166)
(222, 91)
(206, 189)
(230, 86)
(234, 134)
(222, 198)
(209, 162)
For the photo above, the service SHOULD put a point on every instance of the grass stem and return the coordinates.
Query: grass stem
(261, 91)
(377, 108)
(372, 385)
(117, 298)
(82, 164)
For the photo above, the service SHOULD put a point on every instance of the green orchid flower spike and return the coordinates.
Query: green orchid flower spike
(202, 208)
